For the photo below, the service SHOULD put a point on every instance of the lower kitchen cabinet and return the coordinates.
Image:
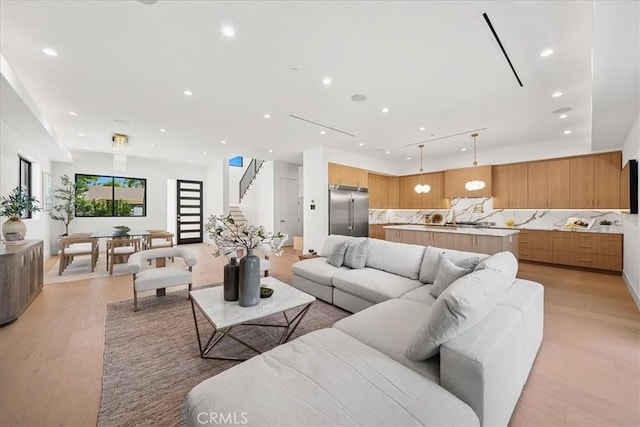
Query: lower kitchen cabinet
(480, 243)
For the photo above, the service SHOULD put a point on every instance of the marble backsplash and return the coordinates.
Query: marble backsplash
(481, 210)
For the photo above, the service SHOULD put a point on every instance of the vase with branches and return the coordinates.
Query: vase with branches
(12, 206)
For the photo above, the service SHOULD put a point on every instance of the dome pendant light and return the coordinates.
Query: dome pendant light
(422, 188)
(475, 184)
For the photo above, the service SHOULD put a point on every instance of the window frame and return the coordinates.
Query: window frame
(25, 179)
(113, 205)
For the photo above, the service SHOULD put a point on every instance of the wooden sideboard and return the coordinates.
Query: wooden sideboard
(21, 278)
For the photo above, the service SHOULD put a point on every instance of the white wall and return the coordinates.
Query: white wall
(13, 145)
(215, 183)
(631, 223)
(155, 172)
(316, 177)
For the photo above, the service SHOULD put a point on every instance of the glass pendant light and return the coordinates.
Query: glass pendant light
(422, 188)
(475, 184)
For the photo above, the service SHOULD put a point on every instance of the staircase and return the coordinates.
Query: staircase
(249, 176)
(236, 214)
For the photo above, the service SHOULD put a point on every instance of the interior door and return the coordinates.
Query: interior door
(189, 226)
(289, 201)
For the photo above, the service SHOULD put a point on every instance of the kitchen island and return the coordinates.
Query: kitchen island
(481, 240)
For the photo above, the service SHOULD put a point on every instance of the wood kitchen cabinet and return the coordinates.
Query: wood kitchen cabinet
(592, 250)
(401, 236)
(434, 199)
(510, 186)
(455, 180)
(346, 175)
(535, 245)
(383, 191)
(595, 181)
(548, 184)
(376, 231)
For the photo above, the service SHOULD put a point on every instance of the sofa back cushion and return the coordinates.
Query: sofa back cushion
(505, 262)
(330, 243)
(429, 266)
(397, 258)
(460, 307)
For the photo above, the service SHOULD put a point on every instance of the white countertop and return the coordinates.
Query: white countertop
(458, 230)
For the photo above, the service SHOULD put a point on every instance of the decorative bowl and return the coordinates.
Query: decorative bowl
(121, 230)
(265, 292)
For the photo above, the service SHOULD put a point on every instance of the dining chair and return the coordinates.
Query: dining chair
(159, 239)
(119, 250)
(75, 245)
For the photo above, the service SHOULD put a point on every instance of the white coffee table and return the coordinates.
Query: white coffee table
(224, 315)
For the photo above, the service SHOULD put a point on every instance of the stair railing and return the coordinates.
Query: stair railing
(249, 176)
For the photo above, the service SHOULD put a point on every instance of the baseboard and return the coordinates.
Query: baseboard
(632, 290)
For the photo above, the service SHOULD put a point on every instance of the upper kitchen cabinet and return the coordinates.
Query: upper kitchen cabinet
(345, 175)
(510, 186)
(548, 184)
(595, 181)
(455, 180)
(434, 199)
(383, 191)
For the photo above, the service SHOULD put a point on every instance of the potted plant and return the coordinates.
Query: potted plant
(12, 206)
(604, 224)
(67, 194)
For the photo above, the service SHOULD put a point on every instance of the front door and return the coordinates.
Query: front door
(189, 208)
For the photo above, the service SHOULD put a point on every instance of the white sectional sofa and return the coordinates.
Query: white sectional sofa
(404, 358)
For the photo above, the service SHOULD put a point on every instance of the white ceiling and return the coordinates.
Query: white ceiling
(433, 64)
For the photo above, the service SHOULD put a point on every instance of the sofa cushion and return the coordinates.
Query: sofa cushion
(505, 262)
(373, 285)
(398, 258)
(326, 377)
(330, 242)
(449, 272)
(389, 327)
(421, 295)
(356, 254)
(429, 266)
(461, 306)
(317, 270)
(337, 255)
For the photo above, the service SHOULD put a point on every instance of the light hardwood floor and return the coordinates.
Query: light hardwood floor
(587, 371)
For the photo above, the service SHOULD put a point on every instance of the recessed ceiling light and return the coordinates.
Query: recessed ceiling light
(223, 142)
(388, 152)
(546, 52)
(385, 110)
(73, 113)
(463, 149)
(322, 132)
(563, 116)
(153, 145)
(422, 128)
(191, 161)
(361, 144)
(228, 31)
(205, 153)
(408, 158)
(163, 130)
(187, 92)
(80, 134)
(146, 155)
(556, 94)
(567, 132)
(267, 116)
(326, 81)
(271, 151)
(86, 148)
(49, 51)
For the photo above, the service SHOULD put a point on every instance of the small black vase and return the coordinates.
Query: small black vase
(231, 280)
(249, 289)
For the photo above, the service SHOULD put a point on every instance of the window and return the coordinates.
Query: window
(25, 181)
(236, 161)
(103, 196)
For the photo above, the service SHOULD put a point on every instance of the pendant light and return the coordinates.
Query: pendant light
(475, 184)
(422, 188)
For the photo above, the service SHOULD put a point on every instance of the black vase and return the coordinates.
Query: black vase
(231, 280)
(249, 289)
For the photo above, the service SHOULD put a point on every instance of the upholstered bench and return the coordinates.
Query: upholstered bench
(162, 277)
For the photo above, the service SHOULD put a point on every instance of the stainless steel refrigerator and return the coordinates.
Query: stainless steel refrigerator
(348, 211)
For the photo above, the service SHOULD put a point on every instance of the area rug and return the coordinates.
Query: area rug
(152, 360)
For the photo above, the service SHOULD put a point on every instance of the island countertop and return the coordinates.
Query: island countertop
(456, 230)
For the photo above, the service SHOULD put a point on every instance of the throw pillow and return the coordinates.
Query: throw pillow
(449, 272)
(356, 255)
(330, 242)
(460, 307)
(337, 256)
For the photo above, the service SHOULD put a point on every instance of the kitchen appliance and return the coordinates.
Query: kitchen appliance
(348, 211)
